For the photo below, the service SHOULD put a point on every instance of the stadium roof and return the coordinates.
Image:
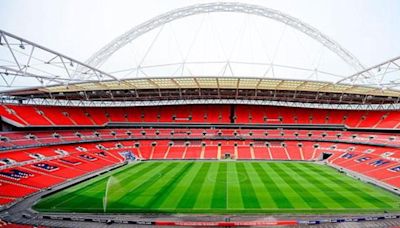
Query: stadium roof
(219, 83)
(234, 88)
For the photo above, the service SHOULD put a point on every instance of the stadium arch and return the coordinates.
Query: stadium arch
(98, 58)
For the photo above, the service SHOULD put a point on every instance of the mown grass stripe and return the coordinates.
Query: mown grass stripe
(205, 197)
(219, 194)
(117, 174)
(333, 194)
(129, 178)
(133, 174)
(165, 190)
(234, 196)
(307, 196)
(364, 195)
(263, 195)
(367, 193)
(144, 168)
(177, 193)
(284, 189)
(249, 197)
(151, 179)
(279, 197)
(94, 185)
(192, 193)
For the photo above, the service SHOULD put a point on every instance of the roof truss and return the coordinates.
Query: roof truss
(385, 75)
(23, 63)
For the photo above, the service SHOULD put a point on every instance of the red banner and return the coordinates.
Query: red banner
(243, 223)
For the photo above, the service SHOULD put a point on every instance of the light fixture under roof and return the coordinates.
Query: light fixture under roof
(22, 46)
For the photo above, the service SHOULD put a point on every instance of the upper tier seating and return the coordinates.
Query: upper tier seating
(26, 115)
(290, 115)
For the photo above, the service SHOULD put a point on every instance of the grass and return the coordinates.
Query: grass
(222, 187)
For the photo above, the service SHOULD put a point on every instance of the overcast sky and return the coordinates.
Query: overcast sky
(370, 29)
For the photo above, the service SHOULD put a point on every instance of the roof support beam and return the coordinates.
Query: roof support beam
(39, 67)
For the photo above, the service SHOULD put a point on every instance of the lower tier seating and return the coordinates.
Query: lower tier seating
(23, 139)
(54, 166)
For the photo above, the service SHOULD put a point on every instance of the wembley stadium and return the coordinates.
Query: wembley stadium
(208, 114)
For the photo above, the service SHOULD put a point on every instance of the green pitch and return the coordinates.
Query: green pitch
(222, 187)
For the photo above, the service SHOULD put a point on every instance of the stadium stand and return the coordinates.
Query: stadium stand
(25, 115)
(29, 156)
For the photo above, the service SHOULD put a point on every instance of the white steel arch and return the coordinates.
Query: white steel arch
(97, 59)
